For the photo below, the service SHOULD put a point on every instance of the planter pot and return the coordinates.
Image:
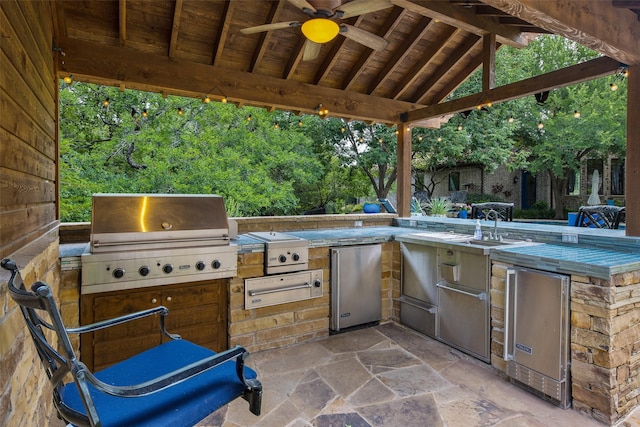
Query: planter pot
(371, 208)
(462, 214)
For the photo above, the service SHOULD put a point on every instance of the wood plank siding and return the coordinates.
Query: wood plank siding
(28, 124)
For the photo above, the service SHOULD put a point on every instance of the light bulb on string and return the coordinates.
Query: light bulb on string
(576, 114)
(511, 119)
(540, 125)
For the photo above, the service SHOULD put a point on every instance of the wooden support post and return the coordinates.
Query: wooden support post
(488, 62)
(632, 189)
(404, 170)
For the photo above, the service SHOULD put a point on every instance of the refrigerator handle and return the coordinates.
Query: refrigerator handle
(336, 265)
(507, 312)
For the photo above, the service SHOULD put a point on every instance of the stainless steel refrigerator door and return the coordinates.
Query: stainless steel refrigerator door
(540, 324)
(356, 286)
(463, 319)
(420, 272)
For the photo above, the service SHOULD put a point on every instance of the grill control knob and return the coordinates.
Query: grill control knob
(118, 273)
(167, 268)
(200, 265)
(317, 283)
(216, 264)
(144, 270)
(282, 258)
(295, 257)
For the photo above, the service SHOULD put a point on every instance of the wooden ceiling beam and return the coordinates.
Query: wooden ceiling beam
(223, 33)
(111, 65)
(588, 70)
(436, 47)
(465, 19)
(332, 57)
(414, 38)
(263, 41)
(175, 28)
(452, 59)
(589, 23)
(294, 58)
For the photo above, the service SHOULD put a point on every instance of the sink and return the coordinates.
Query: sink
(491, 243)
(460, 240)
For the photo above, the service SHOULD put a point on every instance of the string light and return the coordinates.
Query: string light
(276, 126)
(180, 112)
(459, 127)
(439, 139)
(613, 87)
(206, 99)
(144, 113)
(540, 125)
(105, 103)
(300, 123)
(322, 111)
(342, 129)
(68, 79)
(511, 119)
(576, 114)
(249, 118)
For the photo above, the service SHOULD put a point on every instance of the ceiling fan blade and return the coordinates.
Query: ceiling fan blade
(360, 7)
(269, 27)
(363, 37)
(311, 50)
(302, 5)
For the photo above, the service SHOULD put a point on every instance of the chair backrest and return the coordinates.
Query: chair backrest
(600, 216)
(35, 304)
(503, 210)
(458, 196)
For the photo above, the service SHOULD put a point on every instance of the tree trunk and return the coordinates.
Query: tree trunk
(559, 186)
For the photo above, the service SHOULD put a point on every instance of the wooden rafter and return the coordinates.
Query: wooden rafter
(452, 59)
(175, 28)
(564, 77)
(387, 28)
(122, 19)
(412, 40)
(464, 19)
(488, 61)
(436, 47)
(263, 42)
(332, 57)
(224, 31)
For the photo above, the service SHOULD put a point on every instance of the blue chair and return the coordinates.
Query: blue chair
(177, 383)
(600, 216)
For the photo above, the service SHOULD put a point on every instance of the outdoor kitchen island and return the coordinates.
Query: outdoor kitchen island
(605, 290)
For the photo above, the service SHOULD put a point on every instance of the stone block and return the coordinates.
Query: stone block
(264, 323)
(611, 359)
(594, 399)
(580, 320)
(593, 376)
(312, 313)
(498, 283)
(592, 309)
(590, 339)
(581, 353)
(497, 298)
(615, 325)
(590, 292)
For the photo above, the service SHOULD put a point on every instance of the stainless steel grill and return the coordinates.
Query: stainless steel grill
(140, 240)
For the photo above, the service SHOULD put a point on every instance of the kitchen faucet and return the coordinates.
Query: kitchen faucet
(494, 236)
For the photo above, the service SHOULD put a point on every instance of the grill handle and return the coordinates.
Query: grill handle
(281, 289)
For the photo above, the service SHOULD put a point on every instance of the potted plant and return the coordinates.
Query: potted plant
(371, 207)
(439, 206)
(464, 212)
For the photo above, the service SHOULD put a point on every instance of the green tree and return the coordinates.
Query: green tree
(143, 143)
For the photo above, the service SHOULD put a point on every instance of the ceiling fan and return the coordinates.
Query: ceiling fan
(322, 27)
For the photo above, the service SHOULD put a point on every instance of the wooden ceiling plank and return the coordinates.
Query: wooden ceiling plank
(414, 38)
(112, 65)
(175, 28)
(265, 37)
(60, 22)
(574, 74)
(586, 22)
(122, 19)
(387, 28)
(465, 19)
(435, 48)
(224, 31)
(452, 59)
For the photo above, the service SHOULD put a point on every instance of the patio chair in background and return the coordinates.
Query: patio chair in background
(600, 216)
(458, 197)
(504, 210)
(177, 383)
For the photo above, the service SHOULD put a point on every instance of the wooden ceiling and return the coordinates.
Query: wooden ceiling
(196, 48)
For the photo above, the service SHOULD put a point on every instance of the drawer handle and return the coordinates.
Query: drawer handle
(281, 289)
(482, 296)
(154, 300)
(169, 298)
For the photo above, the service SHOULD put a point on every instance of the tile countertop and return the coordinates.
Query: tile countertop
(582, 259)
(587, 261)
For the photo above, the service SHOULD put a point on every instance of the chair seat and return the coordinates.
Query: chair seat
(174, 406)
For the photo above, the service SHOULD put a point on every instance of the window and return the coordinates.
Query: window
(617, 176)
(592, 166)
(454, 181)
(573, 184)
